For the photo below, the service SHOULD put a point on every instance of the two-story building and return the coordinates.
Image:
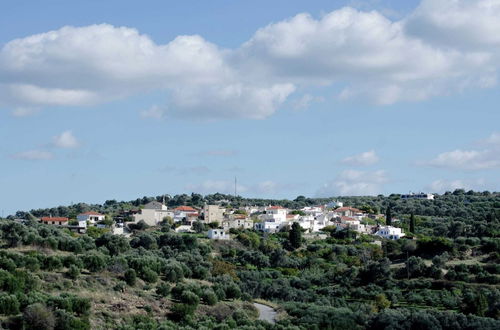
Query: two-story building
(185, 213)
(390, 232)
(90, 217)
(152, 213)
(213, 213)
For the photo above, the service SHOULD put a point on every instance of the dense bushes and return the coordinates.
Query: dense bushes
(9, 304)
(336, 283)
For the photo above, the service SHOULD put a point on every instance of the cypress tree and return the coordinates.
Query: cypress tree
(412, 223)
(388, 216)
(295, 235)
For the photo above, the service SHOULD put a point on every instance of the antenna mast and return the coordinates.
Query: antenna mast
(235, 189)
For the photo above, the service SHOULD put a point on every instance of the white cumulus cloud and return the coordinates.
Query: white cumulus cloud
(464, 24)
(65, 140)
(467, 159)
(97, 63)
(444, 46)
(362, 159)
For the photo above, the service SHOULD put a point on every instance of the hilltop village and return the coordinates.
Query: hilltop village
(418, 261)
(219, 220)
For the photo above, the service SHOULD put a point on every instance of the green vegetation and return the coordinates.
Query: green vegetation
(447, 276)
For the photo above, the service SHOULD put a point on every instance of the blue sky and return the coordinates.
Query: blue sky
(121, 99)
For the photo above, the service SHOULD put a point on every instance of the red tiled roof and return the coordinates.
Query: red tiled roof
(185, 208)
(347, 219)
(57, 219)
(275, 208)
(92, 213)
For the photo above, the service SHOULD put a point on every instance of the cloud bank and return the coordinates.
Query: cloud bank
(475, 159)
(442, 185)
(444, 46)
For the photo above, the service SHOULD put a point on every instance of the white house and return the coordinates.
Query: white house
(313, 210)
(91, 217)
(418, 196)
(217, 234)
(152, 213)
(184, 213)
(268, 226)
(274, 214)
(334, 204)
(390, 232)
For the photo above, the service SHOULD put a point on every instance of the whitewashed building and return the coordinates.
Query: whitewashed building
(418, 196)
(91, 217)
(313, 210)
(334, 204)
(390, 232)
(182, 213)
(275, 214)
(218, 234)
(268, 226)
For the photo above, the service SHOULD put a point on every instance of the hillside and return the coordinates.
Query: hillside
(447, 277)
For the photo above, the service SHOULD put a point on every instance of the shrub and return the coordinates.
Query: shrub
(130, 277)
(120, 287)
(181, 311)
(232, 291)
(9, 305)
(209, 297)
(66, 321)
(149, 275)
(163, 289)
(38, 317)
(189, 298)
(73, 272)
(94, 261)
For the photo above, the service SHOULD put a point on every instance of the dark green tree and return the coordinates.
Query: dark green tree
(388, 216)
(412, 223)
(295, 236)
(198, 226)
(130, 276)
(163, 289)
